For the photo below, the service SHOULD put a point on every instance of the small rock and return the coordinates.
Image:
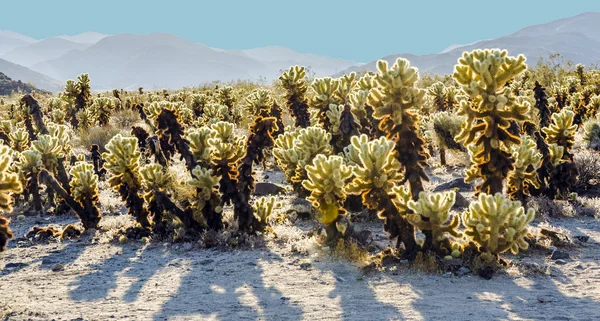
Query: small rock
(463, 271)
(582, 238)
(302, 207)
(560, 262)
(458, 183)
(560, 255)
(305, 266)
(460, 202)
(340, 279)
(543, 299)
(15, 265)
(264, 188)
(58, 268)
(206, 261)
(285, 298)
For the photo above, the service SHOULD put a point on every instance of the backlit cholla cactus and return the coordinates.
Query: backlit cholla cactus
(294, 82)
(359, 102)
(593, 106)
(497, 224)
(122, 160)
(306, 144)
(198, 102)
(198, 138)
(327, 178)
(264, 207)
(394, 100)
(214, 113)
(19, 139)
(155, 180)
(524, 176)
(437, 93)
(101, 110)
(325, 94)
(562, 130)
(84, 189)
(431, 212)
(206, 205)
(259, 102)
(9, 185)
(483, 75)
(376, 172)
(30, 164)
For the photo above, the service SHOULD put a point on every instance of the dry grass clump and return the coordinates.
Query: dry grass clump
(97, 136)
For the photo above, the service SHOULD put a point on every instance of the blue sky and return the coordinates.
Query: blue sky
(356, 30)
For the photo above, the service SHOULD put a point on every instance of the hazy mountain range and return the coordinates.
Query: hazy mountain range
(576, 38)
(159, 60)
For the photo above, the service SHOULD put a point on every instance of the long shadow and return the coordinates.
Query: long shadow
(357, 300)
(228, 295)
(96, 285)
(502, 298)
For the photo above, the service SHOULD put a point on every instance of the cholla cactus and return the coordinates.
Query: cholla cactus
(593, 106)
(437, 92)
(198, 138)
(84, 119)
(19, 139)
(226, 96)
(497, 225)
(84, 191)
(483, 75)
(325, 94)
(263, 208)
(154, 180)
(376, 172)
(9, 185)
(562, 130)
(524, 176)
(294, 82)
(30, 164)
(123, 163)
(260, 102)
(346, 85)
(207, 203)
(327, 178)
(432, 213)
(198, 103)
(101, 110)
(285, 154)
(445, 126)
(394, 99)
(79, 94)
(214, 113)
(170, 131)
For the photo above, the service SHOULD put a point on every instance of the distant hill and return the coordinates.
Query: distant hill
(41, 51)
(85, 38)
(27, 75)
(9, 86)
(161, 60)
(575, 38)
(10, 40)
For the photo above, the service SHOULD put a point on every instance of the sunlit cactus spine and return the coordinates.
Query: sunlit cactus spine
(199, 146)
(325, 94)
(80, 95)
(295, 84)
(437, 92)
(198, 103)
(561, 134)
(327, 178)
(497, 224)
(264, 208)
(394, 100)
(562, 130)
(101, 110)
(19, 139)
(171, 131)
(483, 75)
(122, 160)
(9, 185)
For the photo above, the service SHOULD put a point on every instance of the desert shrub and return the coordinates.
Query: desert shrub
(98, 136)
(588, 166)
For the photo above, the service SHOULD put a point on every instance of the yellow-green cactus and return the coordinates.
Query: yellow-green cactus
(394, 101)
(309, 143)
(327, 178)
(260, 102)
(63, 134)
(325, 94)
(207, 203)
(9, 181)
(497, 224)
(101, 110)
(214, 113)
(198, 138)
(346, 85)
(294, 82)
(84, 190)
(483, 76)
(122, 160)
(9, 185)
(432, 213)
(334, 115)
(19, 139)
(263, 208)
(562, 130)
(527, 160)
(51, 150)
(376, 173)
(437, 92)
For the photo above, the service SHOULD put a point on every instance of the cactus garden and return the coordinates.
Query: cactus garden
(392, 185)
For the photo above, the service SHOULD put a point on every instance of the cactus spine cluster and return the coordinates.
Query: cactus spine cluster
(9, 185)
(294, 82)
